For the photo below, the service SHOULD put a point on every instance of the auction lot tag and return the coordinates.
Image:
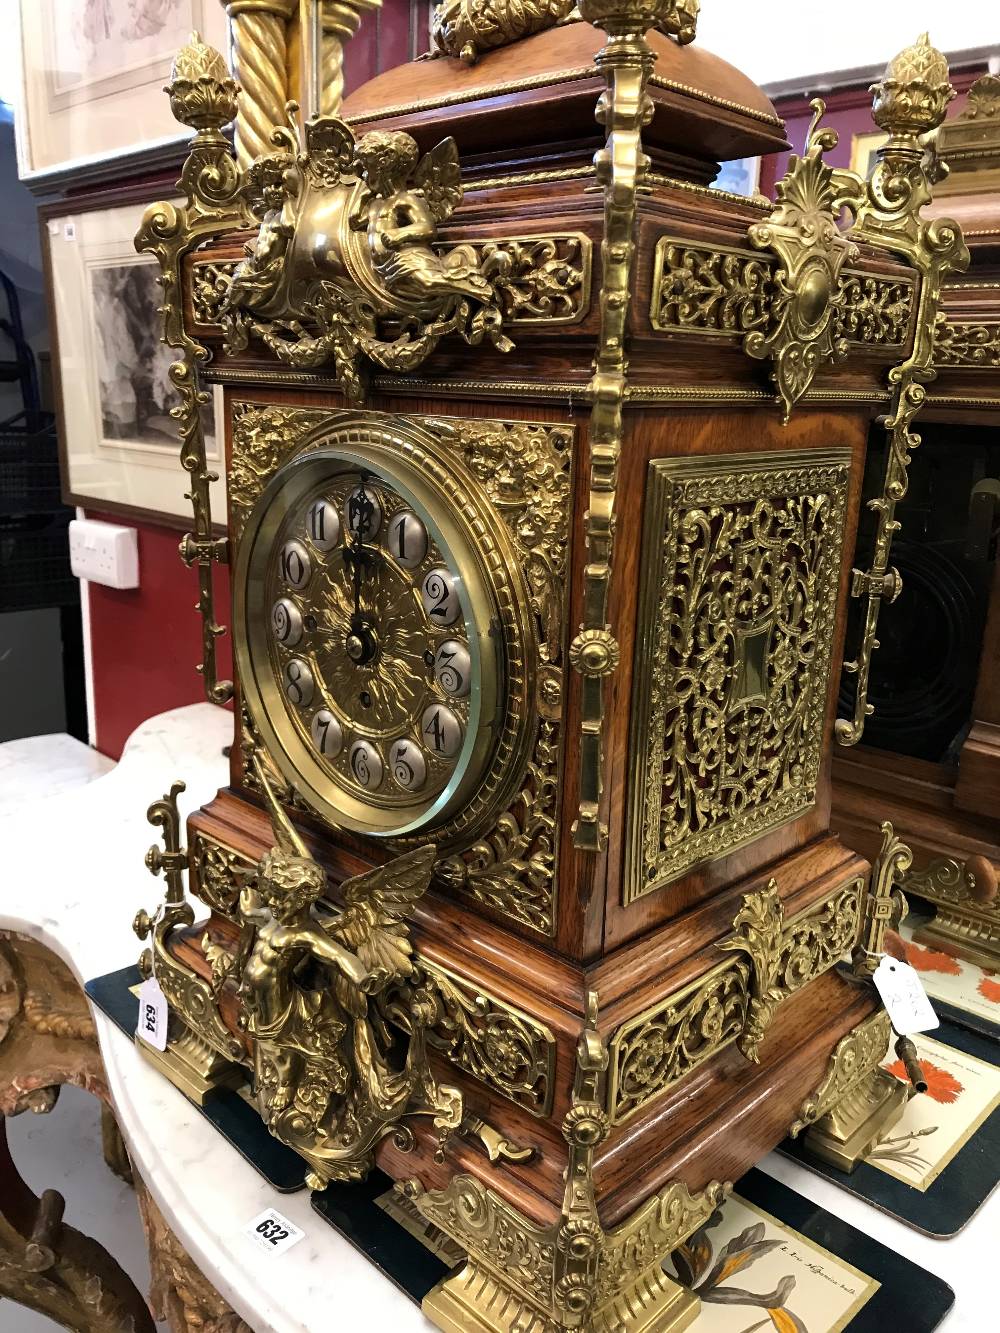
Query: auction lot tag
(272, 1232)
(153, 1015)
(904, 997)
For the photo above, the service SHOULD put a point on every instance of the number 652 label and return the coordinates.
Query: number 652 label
(272, 1232)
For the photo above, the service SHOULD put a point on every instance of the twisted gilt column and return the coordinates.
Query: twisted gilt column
(339, 21)
(259, 41)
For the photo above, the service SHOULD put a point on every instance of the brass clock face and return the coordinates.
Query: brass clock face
(368, 650)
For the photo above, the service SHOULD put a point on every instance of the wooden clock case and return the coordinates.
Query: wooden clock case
(948, 810)
(649, 1017)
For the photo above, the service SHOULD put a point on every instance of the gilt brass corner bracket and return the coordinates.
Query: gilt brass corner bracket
(572, 1273)
(857, 1102)
(885, 905)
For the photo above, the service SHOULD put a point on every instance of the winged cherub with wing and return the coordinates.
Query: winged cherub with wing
(323, 1080)
(403, 217)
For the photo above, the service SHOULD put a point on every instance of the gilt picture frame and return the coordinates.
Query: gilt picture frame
(119, 445)
(90, 99)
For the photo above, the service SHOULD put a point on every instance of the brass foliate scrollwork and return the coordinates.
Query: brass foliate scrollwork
(803, 233)
(741, 561)
(345, 243)
(963, 344)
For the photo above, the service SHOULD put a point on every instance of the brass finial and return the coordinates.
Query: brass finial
(913, 93)
(202, 93)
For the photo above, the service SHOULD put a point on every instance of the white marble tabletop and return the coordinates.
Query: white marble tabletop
(73, 877)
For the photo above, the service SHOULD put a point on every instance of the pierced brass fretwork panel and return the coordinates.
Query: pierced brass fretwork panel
(741, 565)
(768, 960)
(727, 292)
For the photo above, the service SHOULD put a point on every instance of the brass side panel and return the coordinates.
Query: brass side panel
(740, 571)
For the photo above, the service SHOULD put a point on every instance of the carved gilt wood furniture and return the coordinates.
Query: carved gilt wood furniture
(935, 766)
(544, 468)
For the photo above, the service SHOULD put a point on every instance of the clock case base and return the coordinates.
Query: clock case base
(723, 1116)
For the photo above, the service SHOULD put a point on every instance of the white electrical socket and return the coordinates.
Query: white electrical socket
(104, 553)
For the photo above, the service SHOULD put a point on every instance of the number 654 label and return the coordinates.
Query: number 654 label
(272, 1232)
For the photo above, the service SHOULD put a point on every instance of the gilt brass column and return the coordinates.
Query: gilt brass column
(259, 63)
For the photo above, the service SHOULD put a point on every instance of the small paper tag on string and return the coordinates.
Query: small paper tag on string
(153, 1015)
(904, 997)
(273, 1232)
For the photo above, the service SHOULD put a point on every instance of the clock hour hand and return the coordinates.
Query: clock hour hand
(361, 643)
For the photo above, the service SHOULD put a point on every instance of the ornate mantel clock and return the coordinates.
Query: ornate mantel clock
(543, 470)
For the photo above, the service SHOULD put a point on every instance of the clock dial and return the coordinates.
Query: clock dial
(375, 672)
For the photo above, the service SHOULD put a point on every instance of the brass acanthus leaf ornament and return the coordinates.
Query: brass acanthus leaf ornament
(345, 265)
(313, 1001)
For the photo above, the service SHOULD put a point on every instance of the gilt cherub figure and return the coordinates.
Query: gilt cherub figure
(309, 990)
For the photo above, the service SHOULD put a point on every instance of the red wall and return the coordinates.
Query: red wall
(146, 641)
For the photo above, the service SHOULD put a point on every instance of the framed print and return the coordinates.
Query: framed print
(741, 175)
(119, 443)
(863, 150)
(92, 76)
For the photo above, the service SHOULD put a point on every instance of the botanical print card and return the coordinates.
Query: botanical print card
(755, 1274)
(953, 980)
(961, 1092)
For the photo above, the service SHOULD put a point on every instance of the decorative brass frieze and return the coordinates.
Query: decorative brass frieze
(740, 572)
(655, 1049)
(210, 283)
(220, 874)
(852, 1061)
(525, 470)
(571, 1273)
(720, 291)
(735, 1002)
(723, 291)
(784, 957)
(491, 1040)
(966, 346)
(875, 310)
(539, 279)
